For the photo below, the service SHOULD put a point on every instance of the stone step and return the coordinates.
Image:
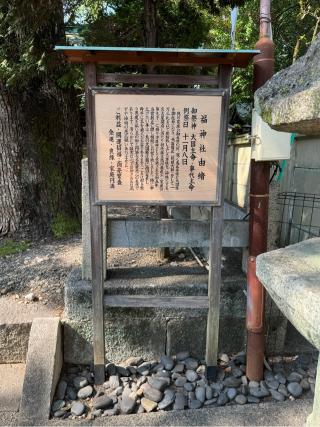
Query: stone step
(15, 322)
(11, 383)
(149, 330)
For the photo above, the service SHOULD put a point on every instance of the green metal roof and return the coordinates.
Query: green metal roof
(152, 49)
(157, 56)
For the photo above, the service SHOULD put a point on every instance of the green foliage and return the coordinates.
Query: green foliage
(28, 33)
(10, 247)
(64, 226)
(180, 23)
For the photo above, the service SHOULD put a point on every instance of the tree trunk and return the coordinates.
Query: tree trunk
(40, 131)
(150, 21)
(11, 137)
(40, 157)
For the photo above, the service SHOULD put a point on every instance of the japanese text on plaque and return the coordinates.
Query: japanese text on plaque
(158, 150)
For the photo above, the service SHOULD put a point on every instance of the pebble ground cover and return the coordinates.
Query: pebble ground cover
(178, 383)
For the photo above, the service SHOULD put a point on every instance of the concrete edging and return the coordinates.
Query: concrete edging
(43, 367)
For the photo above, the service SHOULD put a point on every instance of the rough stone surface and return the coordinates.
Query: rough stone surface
(80, 382)
(241, 399)
(200, 393)
(61, 389)
(11, 382)
(85, 392)
(78, 408)
(295, 389)
(182, 355)
(102, 402)
(168, 330)
(232, 382)
(180, 402)
(168, 399)
(191, 375)
(231, 393)
(290, 276)
(277, 395)
(127, 405)
(148, 404)
(222, 399)
(151, 393)
(195, 404)
(114, 381)
(158, 383)
(289, 101)
(43, 366)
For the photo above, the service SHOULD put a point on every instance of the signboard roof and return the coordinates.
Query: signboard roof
(158, 56)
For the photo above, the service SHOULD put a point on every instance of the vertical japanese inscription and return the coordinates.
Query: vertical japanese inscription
(157, 147)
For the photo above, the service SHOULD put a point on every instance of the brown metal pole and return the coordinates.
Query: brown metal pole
(259, 200)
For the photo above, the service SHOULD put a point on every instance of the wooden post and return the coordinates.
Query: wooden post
(163, 253)
(216, 231)
(97, 253)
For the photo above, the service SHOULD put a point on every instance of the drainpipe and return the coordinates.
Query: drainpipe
(263, 69)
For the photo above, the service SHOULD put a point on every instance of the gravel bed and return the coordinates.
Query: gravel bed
(38, 274)
(177, 383)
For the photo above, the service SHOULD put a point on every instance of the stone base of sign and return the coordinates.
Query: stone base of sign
(150, 332)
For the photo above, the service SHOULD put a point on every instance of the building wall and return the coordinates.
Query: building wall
(296, 215)
(300, 216)
(238, 170)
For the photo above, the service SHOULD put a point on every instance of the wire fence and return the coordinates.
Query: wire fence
(299, 220)
(300, 217)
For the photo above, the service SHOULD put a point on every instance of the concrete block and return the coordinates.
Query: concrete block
(14, 342)
(124, 337)
(11, 386)
(43, 367)
(190, 334)
(149, 332)
(15, 324)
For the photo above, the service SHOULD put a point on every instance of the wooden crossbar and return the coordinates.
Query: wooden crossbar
(173, 79)
(151, 301)
(150, 233)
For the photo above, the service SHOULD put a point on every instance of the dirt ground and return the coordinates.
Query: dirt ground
(41, 270)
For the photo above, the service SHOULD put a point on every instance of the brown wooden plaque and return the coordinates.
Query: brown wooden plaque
(158, 146)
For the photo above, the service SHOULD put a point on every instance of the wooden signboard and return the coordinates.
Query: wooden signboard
(158, 146)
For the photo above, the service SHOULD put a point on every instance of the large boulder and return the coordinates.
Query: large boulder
(290, 100)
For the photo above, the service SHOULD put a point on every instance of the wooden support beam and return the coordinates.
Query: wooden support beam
(164, 79)
(148, 233)
(216, 241)
(150, 301)
(97, 253)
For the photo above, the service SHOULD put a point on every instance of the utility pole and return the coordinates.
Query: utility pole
(263, 69)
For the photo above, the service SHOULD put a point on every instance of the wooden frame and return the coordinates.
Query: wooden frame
(156, 91)
(99, 301)
(159, 79)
